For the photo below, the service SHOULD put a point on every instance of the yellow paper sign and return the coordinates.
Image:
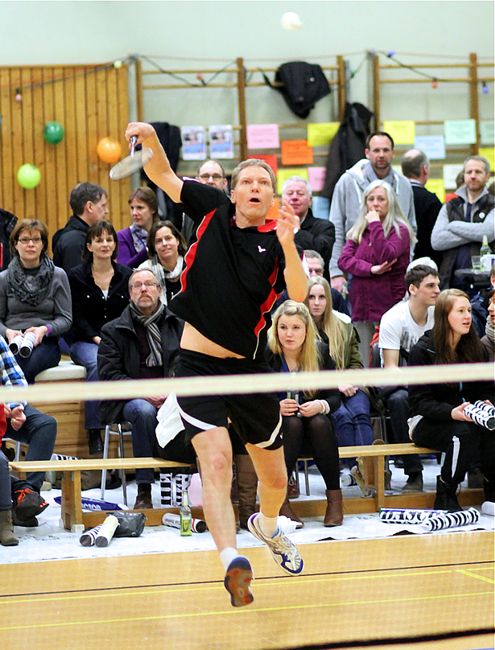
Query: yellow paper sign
(322, 133)
(437, 186)
(284, 174)
(489, 154)
(402, 131)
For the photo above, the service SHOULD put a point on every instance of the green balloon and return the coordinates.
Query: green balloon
(53, 132)
(28, 176)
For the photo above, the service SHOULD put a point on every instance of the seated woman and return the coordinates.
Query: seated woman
(376, 255)
(132, 241)
(294, 346)
(166, 248)
(439, 419)
(99, 289)
(34, 300)
(351, 420)
(489, 339)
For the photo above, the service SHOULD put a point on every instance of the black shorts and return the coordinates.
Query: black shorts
(255, 416)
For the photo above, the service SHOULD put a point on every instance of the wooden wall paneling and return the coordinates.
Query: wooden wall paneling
(91, 125)
(17, 143)
(115, 130)
(101, 103)
(28, 122)
(50, 190)
(61, 181)
(121, 216)
(81, 127)
(7, 179)
(71, 128)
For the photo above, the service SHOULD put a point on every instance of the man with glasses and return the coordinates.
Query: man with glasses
(140, 344)
(212, 173)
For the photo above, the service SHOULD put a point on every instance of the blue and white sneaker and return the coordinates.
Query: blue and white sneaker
(283, 551)
(237, 580)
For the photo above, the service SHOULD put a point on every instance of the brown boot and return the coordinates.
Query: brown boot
(247, 487)
(286, 511)
(333, 514)
(7, 537)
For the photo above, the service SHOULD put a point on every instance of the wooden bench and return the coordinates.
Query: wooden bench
(72, 516)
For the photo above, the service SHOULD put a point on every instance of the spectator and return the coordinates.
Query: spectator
(347, 197)
(315, 264)
(400, 328)
(416, 167)
(489, 339)
(140, 344)
(351, 420)
(28, 425)
(34, 299)
(463, 222)
(439, 419)
(315, 234)
(132, 241)
(376, 254)
(166, 249)
(89, 204)
(99, 294)
(292, 341)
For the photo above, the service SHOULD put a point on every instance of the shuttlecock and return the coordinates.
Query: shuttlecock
(290, 21)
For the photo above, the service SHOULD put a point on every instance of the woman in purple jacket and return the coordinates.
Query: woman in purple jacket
(376, 255)
(132, 250)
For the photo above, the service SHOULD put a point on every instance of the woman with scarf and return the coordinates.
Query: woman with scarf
(132, 241)
(166, 247)
(294, 346)
(34, 300)
(99, 288)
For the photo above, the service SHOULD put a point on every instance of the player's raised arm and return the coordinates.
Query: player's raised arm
(158, 169)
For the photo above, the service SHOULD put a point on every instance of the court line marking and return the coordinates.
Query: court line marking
(252, 610)
(490, 581)
(265, 582)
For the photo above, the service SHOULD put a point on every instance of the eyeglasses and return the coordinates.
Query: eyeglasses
(25, 240)
(140, 285)
(215, 177)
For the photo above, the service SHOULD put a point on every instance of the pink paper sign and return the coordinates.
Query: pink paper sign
(316, 177)
(263, 136)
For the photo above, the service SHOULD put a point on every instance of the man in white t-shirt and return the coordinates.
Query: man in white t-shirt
(400, 328)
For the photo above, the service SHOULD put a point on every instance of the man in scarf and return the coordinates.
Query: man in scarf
(140, 344)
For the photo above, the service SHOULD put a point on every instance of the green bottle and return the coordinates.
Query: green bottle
(185, 516)
(485, 248)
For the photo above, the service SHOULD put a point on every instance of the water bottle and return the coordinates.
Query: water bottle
(485, 248)
(185, 516)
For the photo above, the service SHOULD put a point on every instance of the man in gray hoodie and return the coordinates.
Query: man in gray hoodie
(349, 190)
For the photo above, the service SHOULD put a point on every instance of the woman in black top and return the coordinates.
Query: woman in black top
(438, 412)
(295, 346)
(99, 294)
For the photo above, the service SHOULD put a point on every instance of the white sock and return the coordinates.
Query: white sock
(488, 508)
(268, 525)
(227, 555)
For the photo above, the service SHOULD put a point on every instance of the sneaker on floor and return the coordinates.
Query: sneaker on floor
(28, 503)
(283, 551)
(237, 580)
(414, 483)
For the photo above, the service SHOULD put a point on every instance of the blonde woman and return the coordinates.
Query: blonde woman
(376, 256)
(352, 419)
(294, 346)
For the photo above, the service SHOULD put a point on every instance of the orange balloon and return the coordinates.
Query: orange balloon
(109, 150)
